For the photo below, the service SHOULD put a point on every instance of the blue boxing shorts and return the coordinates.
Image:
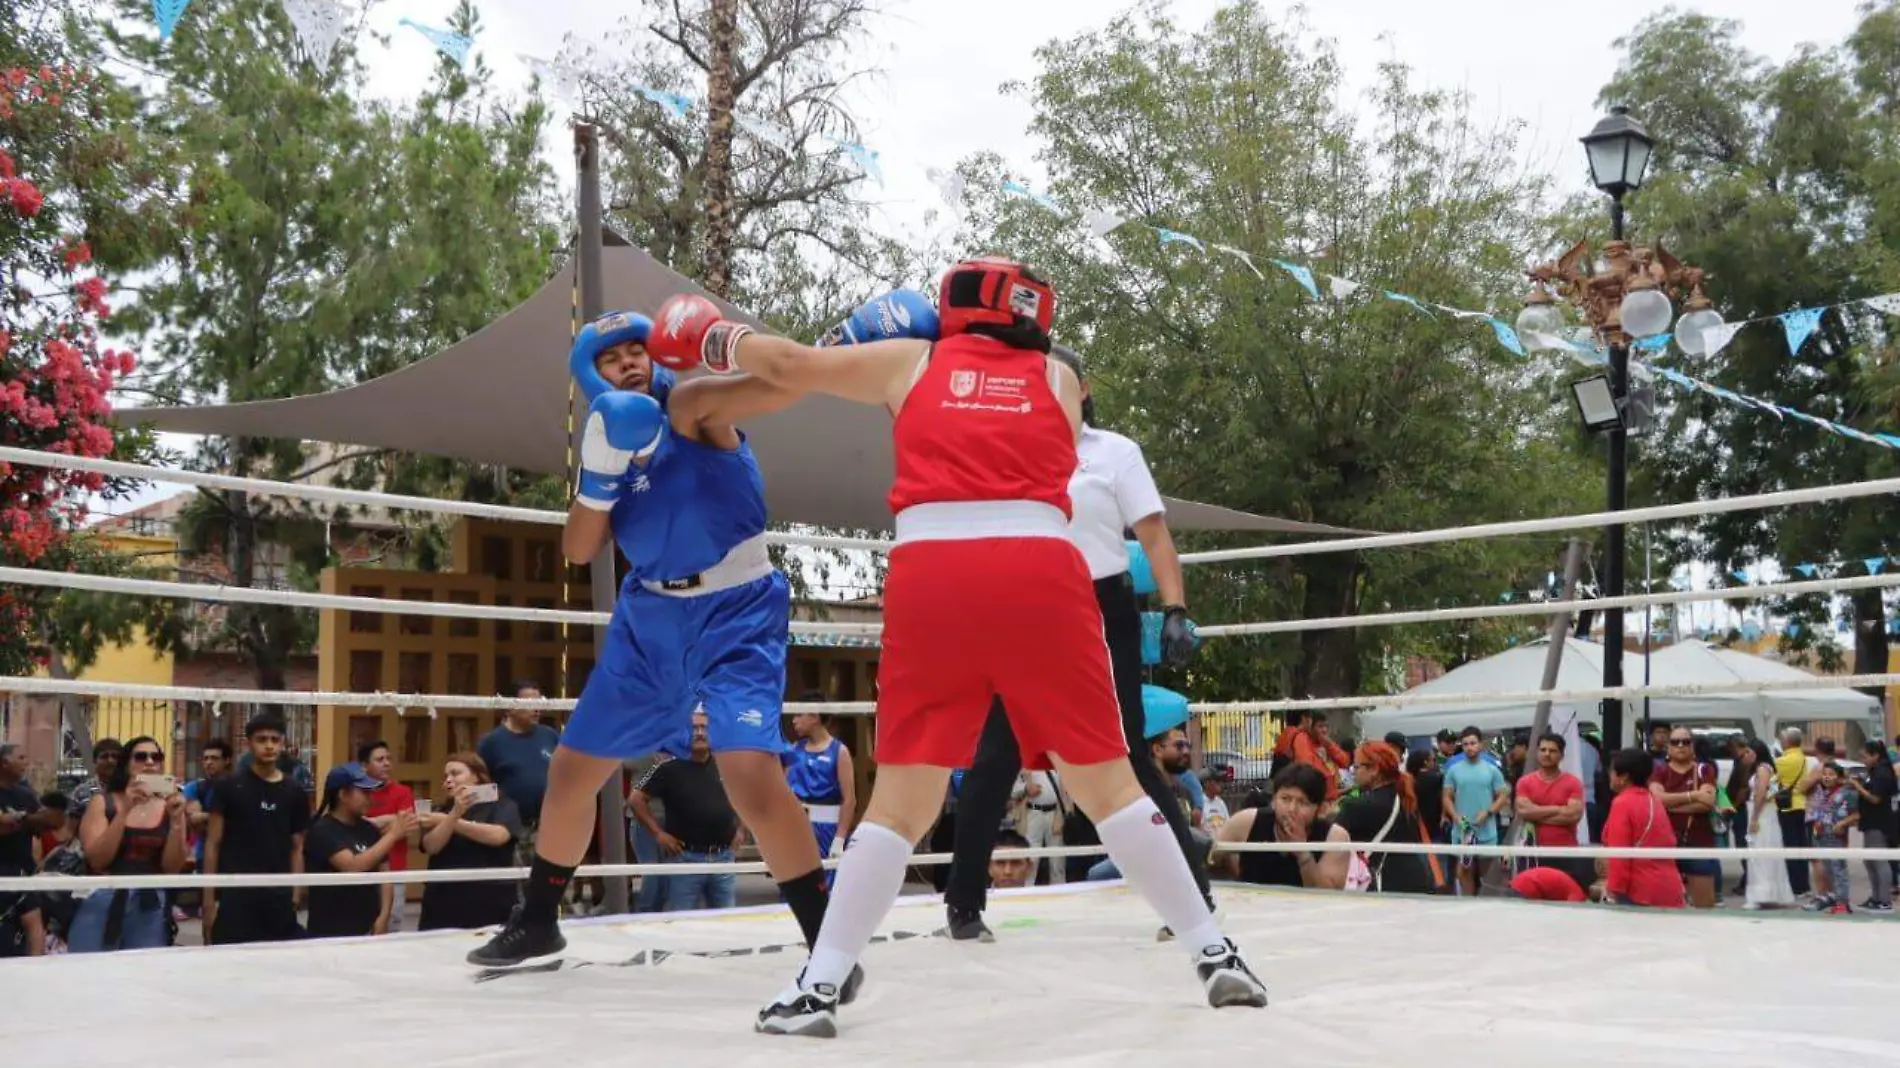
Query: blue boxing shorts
(668, 654)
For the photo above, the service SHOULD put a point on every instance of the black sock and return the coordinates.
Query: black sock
(547, 883)
(807, 897)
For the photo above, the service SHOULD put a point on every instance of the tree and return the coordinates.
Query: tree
(71, 181)
(1784, 183)
(323, 240)
(1248, 392)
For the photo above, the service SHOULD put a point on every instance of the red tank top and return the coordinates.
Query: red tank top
(982, 424)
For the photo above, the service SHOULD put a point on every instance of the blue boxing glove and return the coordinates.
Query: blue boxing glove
(901, 313)
(621, 427)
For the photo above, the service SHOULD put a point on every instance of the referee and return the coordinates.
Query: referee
(1111, 491)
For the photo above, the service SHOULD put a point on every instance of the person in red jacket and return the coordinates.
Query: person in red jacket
(986, 597)
(1638, 820)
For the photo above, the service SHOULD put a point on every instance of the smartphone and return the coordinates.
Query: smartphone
(483, 792)
(424, 806)
(159, 785)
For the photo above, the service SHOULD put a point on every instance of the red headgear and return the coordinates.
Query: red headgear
(997, 293)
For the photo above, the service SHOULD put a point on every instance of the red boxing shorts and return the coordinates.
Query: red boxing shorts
(1011, 617)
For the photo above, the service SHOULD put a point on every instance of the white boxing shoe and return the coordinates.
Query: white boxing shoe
(1227, 978)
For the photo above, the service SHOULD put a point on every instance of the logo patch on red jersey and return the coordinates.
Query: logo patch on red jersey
(962, 383)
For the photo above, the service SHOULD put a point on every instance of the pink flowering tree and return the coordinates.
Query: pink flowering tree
(57, 370)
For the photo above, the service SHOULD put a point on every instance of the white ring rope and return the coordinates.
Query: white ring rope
(192, 591)
(336, 495)
(61, 884)
(125, 690)
(398, 606)
(1631, 516)
(1546, 608)
(1627, 517)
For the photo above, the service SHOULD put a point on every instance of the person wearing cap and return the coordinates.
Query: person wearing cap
(1215, 812)
(342, 839)
(667, 477)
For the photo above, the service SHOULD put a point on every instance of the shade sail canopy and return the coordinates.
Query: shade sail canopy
(500, 396)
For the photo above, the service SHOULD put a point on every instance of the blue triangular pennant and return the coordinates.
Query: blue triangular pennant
(675, 104)
(1799, 324)
(1889, 439)
(1301, 274)
(453, 45)
(167, 13)
(1507, 336)
(1169, 237)
(1403, 299)
(1507, 596)
(1874, 564)
(1740, 576)
(1794, 630)
(1654, 343)
(1806, 569)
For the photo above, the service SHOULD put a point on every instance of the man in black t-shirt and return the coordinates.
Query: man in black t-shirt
(258, 819)
(700, 827)
(1877, 821)
(21, 819)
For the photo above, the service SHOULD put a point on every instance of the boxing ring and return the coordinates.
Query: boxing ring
(1075, 976)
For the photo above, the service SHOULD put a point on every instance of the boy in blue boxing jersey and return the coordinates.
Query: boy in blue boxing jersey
(701, 621)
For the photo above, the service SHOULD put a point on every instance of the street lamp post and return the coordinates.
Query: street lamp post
(1629, 298)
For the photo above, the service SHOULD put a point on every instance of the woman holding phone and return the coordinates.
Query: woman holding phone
(135, 826)
(476, 828)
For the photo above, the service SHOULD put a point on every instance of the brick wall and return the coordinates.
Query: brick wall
(231, 671)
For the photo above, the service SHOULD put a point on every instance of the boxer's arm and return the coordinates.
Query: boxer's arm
(876, 373)
(585, 534)
(709, 409)
(1069, 392)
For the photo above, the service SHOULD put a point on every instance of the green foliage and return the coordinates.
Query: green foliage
(1246, 392)
(1784, 183)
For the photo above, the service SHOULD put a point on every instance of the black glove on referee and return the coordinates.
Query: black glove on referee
(1177, 641)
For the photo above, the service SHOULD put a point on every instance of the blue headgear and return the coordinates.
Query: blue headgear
(613, 328)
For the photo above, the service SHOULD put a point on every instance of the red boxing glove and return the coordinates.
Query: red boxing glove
(688, 331)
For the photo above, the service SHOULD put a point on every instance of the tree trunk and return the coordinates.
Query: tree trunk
(250, 622)
(724, 32)
(1870, 638)
(1329, 659)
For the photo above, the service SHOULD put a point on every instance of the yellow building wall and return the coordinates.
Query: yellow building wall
(136, 661)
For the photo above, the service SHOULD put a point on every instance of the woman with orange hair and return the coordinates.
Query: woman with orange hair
(1386, 810)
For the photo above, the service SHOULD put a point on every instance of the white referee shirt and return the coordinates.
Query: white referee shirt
(1111, 490)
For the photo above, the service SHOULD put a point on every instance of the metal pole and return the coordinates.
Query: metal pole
(1613, 536)
(1559, 632)
(1649, 628)
(613, 830)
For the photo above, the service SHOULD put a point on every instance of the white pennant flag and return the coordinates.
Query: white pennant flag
(1716, 338)
(1242, 257)
(949, 185)
(1886, 302)
(1537, 341)
(770, 133)
(1460, 313)
(561, 80)
(319, 26)
(1341, 288)
(1102, 223)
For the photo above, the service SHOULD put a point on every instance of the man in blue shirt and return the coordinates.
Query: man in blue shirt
(213, 761)
(517, 754)
(1475, 792)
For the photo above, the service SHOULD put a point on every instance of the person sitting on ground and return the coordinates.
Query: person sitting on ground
(1292, 815)
(1010, 874)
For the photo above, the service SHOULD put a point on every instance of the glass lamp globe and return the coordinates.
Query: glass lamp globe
(1646, 313)
(1539, 319)
(1691, 330)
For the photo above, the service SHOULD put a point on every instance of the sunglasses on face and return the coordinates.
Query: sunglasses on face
(148, 756)
(1682, 741)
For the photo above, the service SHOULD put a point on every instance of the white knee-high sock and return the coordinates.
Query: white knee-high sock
(1144, 849)
(869, 879)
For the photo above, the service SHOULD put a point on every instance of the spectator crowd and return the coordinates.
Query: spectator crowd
(261, 813)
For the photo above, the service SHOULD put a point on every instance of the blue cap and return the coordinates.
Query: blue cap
(351, 774)
(613, 328)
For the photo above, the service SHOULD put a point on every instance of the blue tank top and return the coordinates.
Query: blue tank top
(814, 776)
(688, 507)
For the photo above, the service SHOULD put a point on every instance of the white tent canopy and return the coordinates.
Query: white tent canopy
(1688, 663)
